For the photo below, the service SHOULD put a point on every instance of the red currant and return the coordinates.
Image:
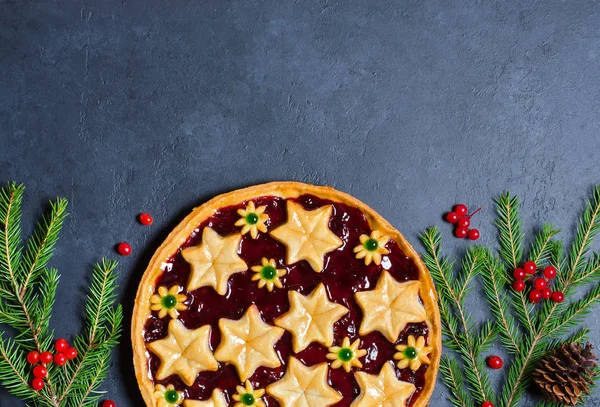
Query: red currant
(540, 283)
(109, 403)
(146, 219)
(461, 233)
(40, 371)
(124, 249)
(473, 234)
(558, 296)
(71, 353)
(529, 267)
(487, 404)
(550, 272)
(519, 286)
(37, 384)
(495, 362)
(61, 345)
(464, 222)
(60, 359)
(519, 274)
(535, 296)
(46, 357)
(461, 210)
(33, 357)
(546, 293)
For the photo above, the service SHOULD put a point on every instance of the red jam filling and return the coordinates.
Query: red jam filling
(343, 276)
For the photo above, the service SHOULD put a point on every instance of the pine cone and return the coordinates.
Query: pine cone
(566, 374)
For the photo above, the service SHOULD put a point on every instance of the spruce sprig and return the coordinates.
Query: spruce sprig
(27, 293)
(534, 332)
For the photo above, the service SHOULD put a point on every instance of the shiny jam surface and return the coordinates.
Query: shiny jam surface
(343, 275)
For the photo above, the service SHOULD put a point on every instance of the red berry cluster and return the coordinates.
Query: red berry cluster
(63, 353)
(462, 220)
(541, 285)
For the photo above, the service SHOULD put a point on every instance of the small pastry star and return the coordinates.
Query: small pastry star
(307, 235)
(248, 343)
(217, 400)
(184, 352)
(214, 261)
(304, 386)
(311, 318)
(382, 390)
(390, 306)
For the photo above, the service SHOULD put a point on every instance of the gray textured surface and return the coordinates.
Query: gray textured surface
(411, 106)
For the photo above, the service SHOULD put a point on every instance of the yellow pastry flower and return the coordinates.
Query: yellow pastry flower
(347, 355)
(252, 219)
(168, 302)
(413, 354)
(167, 396)
(267, 274)
(372, 247)
(248, 397)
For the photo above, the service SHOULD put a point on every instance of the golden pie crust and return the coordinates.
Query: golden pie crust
(181, 233)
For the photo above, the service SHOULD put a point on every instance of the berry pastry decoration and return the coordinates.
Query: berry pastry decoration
(252, 220)
(168, 301)
(286, 295)
(413, 353)
(267, 274)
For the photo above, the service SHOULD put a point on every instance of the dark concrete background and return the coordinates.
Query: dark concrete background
(411, 106)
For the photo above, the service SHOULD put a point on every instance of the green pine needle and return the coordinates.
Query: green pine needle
(27, 293)
(526, 332)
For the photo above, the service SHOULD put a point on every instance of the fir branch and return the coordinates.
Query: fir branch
(453, 378)
(509, 226)
(541, 247)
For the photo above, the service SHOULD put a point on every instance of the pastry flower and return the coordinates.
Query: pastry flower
(372, 247)
(413, 354)
(267, 274)
(168, 302)
(347, 355)
(167, 396)
(252, 219)
(247, 396)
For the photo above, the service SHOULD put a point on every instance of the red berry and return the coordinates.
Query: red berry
(540, 283)
(461, 233)
(146, 219)
(487, 404)
(550, 272)
(40, 371)
(519, 274)
(473, 234)
(519, 286)
(535, 296)
(33, 357)
(60, 359)
(464, 222)
(71, 353)
(37, 384)
(495, 362)
(546, 293)
(529, 267)
(61, 345)
(558, 296)
(124, 249)
(46, 357)
(108, 403)
(461, 210)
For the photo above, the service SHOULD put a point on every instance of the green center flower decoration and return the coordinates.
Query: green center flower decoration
(168, 301)
(267, 274)
(413, 354)
(248, 397)
(252, 219)
(347, 355)
(371, 248)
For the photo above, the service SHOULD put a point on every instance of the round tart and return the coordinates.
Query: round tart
(286, 294)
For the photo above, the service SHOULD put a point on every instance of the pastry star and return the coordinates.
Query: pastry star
(390, 306)
(248, 343)
(304, 386)
(311, 318)
(184, 352)
(382, 390)
(217, 400)
(214, 261)
(307, 235)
